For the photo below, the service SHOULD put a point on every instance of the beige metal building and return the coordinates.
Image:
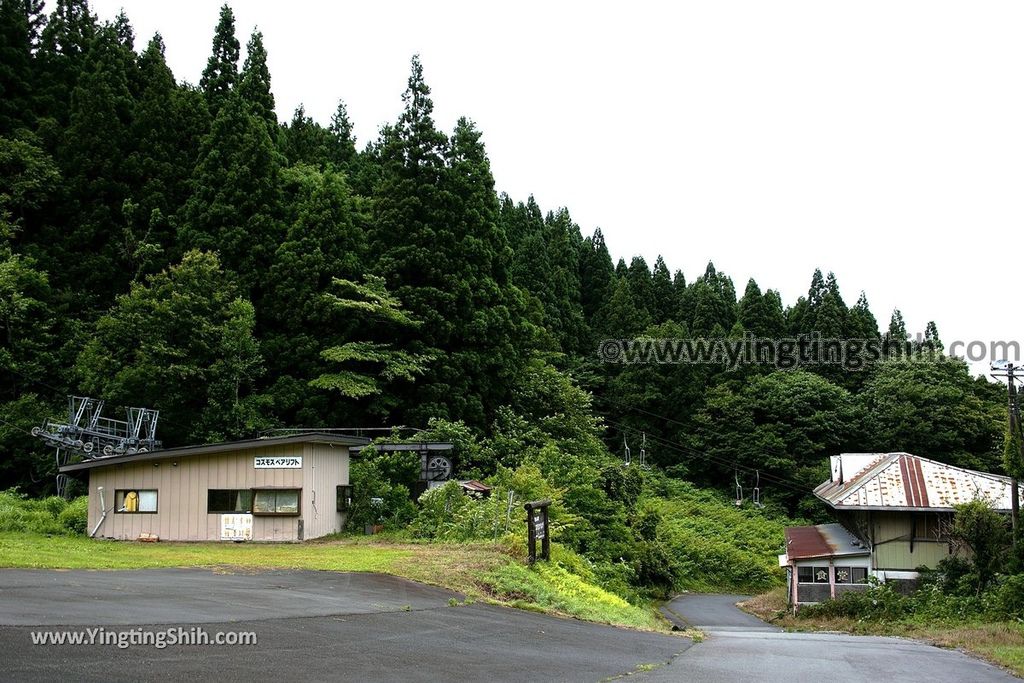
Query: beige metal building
(288, 488)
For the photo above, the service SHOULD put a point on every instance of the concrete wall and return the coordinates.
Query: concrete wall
(182, 487)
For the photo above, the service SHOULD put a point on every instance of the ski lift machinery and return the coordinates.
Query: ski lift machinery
(87, 434)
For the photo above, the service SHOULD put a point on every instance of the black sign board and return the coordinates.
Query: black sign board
(537, 529)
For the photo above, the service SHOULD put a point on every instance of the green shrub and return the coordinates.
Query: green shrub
(75, 516)
(1009, 598)
(53, 505)
(47, 516)
(878, 602)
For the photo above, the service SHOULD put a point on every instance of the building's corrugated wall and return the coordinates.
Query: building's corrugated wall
(892, 549)
(183, 489)
(324, 468)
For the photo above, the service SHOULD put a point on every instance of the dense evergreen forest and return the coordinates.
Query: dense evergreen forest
(173, 245)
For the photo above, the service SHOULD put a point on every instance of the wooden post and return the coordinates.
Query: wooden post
(537, 529)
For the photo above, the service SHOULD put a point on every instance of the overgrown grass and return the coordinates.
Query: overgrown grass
(52, 515)
(480, 571)
(551, 588)
(1001, 642)
(716, 545)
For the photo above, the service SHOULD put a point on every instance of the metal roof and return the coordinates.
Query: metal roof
(823, 540)
(902, 481)
(416, 446)
(475, 486)
(226, 446)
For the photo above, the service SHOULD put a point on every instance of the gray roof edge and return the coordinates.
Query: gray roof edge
(225, 446)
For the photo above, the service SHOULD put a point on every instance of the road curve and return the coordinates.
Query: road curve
(740, 647)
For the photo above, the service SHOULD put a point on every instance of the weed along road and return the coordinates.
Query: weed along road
(310, 625)
(740, 647)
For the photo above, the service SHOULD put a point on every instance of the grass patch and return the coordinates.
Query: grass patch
(479, 571)
(551, 588)
(998, 642)
(716, 545)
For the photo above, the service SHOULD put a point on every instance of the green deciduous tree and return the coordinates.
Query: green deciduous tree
(182, 343)
(370, 366)
(933, 409)
(784, 424)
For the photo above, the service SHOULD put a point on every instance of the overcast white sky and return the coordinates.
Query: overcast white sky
(881, 140)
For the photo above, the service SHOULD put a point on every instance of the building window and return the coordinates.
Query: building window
(228, 500)
(135, 500)
(275, 502)
(851, 574)
(932, 526)
(812, 574)
(344, 498)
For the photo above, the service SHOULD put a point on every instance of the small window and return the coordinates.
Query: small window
(844, 575)
(344, 498)
(805, 574)
(135, 500)
(228, 500)
(859, 574)
(821, 575)
(275, 502)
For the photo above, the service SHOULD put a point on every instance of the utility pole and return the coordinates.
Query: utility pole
(1001, 370)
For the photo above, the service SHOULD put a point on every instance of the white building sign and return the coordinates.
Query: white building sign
(289, 463)
(236, 527)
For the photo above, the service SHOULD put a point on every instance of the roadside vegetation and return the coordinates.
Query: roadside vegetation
(976, 604)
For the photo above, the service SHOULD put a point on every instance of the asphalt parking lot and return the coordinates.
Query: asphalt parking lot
(309, 625)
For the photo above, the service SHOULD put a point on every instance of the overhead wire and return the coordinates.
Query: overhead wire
(680, 448)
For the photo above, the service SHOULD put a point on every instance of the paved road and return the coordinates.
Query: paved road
(740, 647)
(365, 627)
(714, 613)
(311, 626)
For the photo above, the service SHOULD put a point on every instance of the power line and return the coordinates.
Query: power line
(798, 486)
(787, 483)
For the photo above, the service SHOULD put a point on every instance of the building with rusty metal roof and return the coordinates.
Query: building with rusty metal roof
(886, 481)
(894, 512)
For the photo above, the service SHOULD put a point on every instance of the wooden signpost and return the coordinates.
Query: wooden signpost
(537, 529)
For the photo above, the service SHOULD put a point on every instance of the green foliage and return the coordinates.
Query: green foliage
(934, 409)
(374, 365)
(784, 424)
(554, 587)
(713, 544)
(983, 532)
(377, 498)
(51, 515)
(236, 203)
(183, 342)
(221, 73)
